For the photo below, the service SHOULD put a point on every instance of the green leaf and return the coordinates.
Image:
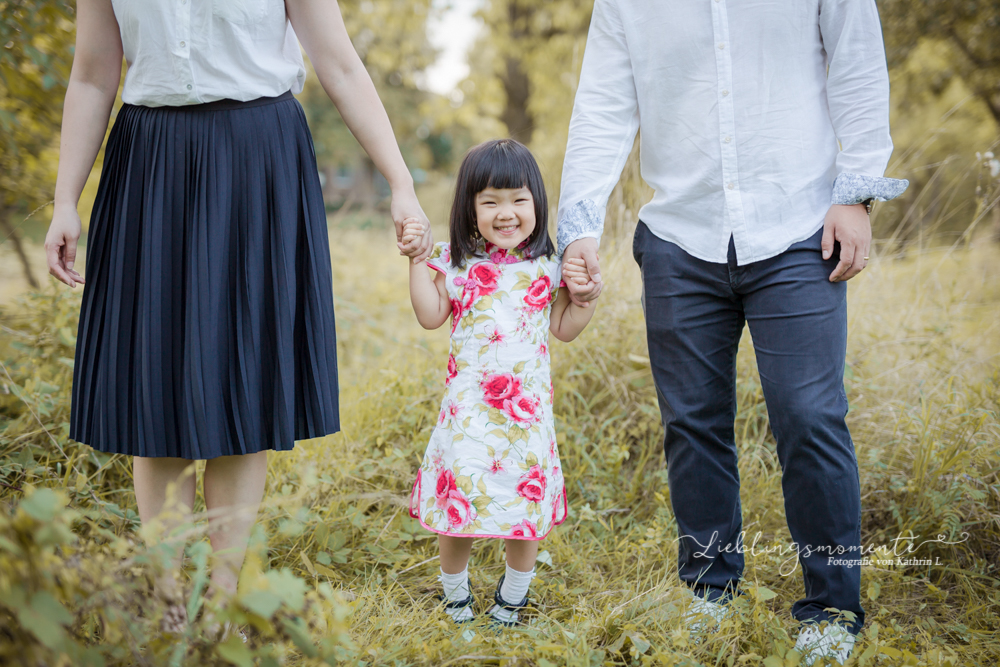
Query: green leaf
(290, 588)
(514, 434)
(299, 634)
(518, 367)
(497, 417)
(235, 652)
(262, 603)
(496, 433)
(639, 642)
(484, 302)
(481, 486)
(43, 504)
(762, 593)
(481, 502)
(45, 617)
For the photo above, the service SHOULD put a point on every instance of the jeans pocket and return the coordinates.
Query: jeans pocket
(637, 238)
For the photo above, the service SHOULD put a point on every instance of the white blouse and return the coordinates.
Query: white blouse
(192, 51)
(755, 117)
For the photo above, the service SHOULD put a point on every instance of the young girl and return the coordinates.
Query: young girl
(491, 468)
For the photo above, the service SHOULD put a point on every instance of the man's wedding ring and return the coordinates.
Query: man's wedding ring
(865, 258)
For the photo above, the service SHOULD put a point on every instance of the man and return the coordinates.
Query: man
(758, 216)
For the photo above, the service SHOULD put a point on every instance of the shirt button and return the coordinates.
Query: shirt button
(725, 92)
(182, 44)
(728, 139)
(189, 86)
(722, 45)
(730, 185)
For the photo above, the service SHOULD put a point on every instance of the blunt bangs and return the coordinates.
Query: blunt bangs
(501, 164)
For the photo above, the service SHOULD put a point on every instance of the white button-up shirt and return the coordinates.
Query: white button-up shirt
(183, 52)
(741, 106)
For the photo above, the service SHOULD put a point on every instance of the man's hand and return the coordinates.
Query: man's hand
(586, 250)
(851, 227)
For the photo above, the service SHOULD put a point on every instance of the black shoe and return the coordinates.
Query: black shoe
(503, 604)
(460, 604)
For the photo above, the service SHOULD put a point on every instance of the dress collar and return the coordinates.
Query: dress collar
(502, 255)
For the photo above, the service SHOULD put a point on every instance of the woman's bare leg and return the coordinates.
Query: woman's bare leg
(164, 492)
(234, 487)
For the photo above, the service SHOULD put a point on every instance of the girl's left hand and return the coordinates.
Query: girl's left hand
(405, 208)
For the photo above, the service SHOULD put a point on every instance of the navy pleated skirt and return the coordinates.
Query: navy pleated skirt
(207, 324)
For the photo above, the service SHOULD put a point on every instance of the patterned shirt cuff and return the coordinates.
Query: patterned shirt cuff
(856, 188)
(581, 221)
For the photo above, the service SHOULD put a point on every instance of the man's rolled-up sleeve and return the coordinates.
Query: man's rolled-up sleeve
(602, 129)
(858, 95)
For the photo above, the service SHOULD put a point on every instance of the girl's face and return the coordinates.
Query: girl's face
(505, 217)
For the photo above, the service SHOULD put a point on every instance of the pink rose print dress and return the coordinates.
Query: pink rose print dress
(491, 468)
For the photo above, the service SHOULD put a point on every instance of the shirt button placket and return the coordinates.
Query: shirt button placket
(183, 38)
(727, 125)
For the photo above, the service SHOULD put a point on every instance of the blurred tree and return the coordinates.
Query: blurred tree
(970, 27)
(523, 75)
(36, 52)
(391, 38)
(944, 60)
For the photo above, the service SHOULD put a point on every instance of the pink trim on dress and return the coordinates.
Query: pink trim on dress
(415, 514)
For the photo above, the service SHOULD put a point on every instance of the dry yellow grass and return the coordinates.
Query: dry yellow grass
(923, 386)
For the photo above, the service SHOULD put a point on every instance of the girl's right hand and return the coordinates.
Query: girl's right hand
(60, 245)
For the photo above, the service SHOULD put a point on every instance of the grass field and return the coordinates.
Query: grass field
(337, 570)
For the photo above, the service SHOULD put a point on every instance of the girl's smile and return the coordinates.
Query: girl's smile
(505, 217)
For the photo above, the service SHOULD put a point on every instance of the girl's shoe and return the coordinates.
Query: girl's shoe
(454, 606)
(503, 604)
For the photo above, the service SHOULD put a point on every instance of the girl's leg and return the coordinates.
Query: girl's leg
(454, 553)
(455, 575)
(516, 580)
(521, 554)
(234, 487)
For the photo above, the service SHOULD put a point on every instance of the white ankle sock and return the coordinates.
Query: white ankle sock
(514, 588)
(456, 589)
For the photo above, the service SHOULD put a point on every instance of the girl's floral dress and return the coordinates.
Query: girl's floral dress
(491, 468)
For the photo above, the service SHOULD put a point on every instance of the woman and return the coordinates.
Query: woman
(207, 329)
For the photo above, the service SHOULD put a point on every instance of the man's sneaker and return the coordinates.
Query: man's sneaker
(703, 616)
(833, 642)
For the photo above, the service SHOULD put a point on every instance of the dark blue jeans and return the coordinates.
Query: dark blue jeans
(695, 311)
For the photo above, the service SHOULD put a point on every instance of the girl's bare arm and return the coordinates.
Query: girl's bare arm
(567, 319)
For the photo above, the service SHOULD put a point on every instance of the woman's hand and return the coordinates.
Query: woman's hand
(406, 211)
(60, 245)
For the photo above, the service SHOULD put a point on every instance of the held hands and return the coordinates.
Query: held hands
(405, 208)
(581, 268)
(414, 234)
(851, 227)
(60, 245)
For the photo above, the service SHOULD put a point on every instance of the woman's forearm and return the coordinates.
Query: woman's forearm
(85, 121)
(355, 97)
(320, 28)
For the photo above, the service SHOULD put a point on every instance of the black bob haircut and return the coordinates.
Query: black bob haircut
(501, 164)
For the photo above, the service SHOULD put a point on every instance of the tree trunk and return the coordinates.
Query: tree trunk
(10, 234)
(515, 114)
